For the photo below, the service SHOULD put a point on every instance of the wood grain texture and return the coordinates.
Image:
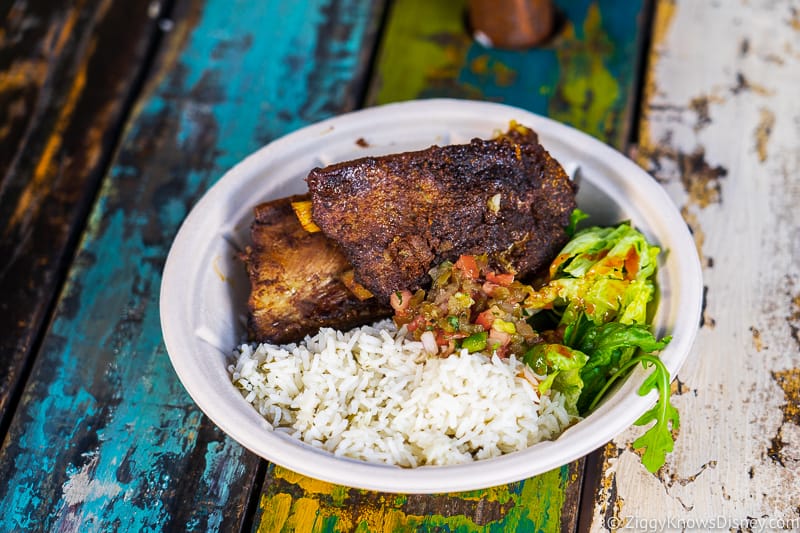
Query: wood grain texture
(721, 132)
(585, 77)
(66, 73)
(105, 437)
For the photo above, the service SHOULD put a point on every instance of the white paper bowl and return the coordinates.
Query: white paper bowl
(204, 287)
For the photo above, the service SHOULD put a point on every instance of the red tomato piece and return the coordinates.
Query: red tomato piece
(501, 279)
(468, 265)
(485, 319)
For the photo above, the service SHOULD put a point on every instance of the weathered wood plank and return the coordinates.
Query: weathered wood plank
(585, 77)
(720, 131)
(295, 503)
(66, 72)
(105, 437)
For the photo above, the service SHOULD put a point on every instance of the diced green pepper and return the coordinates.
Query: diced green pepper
(475, 342)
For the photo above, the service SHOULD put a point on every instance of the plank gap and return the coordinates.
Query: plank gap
(376, 29)
(640, 72)
(254, 500)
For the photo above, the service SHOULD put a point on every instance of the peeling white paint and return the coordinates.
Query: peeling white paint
(739, 60)
(81, 487)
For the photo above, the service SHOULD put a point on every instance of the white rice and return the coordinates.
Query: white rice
(371, 394)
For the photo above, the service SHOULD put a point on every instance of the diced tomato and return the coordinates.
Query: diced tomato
(501, 279)
(441, 338)
(485, 319)
(468, 265)
(499, 342)
(417, 323)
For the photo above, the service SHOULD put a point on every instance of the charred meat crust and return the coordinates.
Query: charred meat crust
(396, 216)
(296, 280)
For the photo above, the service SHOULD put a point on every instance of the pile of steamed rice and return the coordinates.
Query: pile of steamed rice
(371, 394)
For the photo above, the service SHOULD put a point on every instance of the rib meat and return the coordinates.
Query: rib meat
(296, 279)
(398, 215)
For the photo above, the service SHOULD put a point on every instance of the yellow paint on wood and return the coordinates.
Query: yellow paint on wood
(66, 29)
(304, 516)
(485, 65)
(608, 501)
(789, 382)
(380, 520)
(794, 21)
(309, 485)
(18, 76)
(500, 494)
(587, 92)
(22, 74)
(665, 14)
(275, 513)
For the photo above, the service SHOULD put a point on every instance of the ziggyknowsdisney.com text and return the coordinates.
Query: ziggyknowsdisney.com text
(764, 523)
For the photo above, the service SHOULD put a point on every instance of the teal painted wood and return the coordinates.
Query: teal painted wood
(105, 437)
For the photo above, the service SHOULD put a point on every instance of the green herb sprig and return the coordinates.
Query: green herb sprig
(657, 441)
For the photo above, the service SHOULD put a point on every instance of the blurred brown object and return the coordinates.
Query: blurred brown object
(511, 23)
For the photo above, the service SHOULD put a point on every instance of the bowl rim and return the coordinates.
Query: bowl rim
(613, 416)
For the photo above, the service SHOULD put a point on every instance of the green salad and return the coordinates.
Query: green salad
(580, 329)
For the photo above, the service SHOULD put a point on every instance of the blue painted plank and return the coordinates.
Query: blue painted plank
(105, 437)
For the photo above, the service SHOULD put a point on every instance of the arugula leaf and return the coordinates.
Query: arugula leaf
(657, 440)
(609, 346)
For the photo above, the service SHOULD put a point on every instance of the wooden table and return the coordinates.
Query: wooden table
(116, 116)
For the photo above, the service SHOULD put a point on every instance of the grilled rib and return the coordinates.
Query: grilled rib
(296, 280)
(398, 215)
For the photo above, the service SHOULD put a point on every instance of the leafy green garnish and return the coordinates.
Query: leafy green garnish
(596, 300)
(604, 271)
(609, 346)
(656, 441)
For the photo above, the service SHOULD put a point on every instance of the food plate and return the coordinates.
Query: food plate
(204, 286)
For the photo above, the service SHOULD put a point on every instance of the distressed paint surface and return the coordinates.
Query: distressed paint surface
(65, 76)
(583, 76)
(295, 503)
(105, 437)
(721, 132)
